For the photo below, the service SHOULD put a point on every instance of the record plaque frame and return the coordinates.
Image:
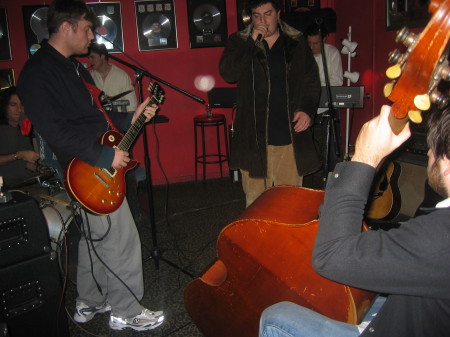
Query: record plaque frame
(7, 78)
(412, 14)
(243, 19)
(35, 24)
(5, 45)
(207, 23)
(156, 25)
(109, 31)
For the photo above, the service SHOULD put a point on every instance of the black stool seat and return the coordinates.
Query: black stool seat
(204, 121)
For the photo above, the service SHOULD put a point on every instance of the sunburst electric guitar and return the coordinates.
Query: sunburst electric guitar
(102, 190)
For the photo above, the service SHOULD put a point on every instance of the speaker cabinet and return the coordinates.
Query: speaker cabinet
(23, 230)
(207, 23)
(31, 298)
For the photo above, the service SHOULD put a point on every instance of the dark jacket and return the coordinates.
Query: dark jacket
(410, 263)
(249, 140)
(62, 110)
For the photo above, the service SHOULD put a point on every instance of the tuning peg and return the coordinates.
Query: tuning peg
(396, 56)
(388, 89)
(415, 116)
(404, 36)
(439, 99)
(422, 102)
(444, 73)
(394, 71)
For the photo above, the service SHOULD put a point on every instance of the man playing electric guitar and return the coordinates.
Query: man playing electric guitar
(109, 275)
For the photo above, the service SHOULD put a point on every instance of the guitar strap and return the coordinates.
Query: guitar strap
(96, 99)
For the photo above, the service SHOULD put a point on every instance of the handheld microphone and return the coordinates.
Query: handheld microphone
(258, 38)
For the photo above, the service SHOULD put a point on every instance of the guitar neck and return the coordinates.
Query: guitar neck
(397, 124)
(132, 133)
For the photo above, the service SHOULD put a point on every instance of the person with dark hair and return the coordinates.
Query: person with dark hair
(18, 160)
(408, 263)
(333, 60)
(278, 90)
(53, 89)
(109, 78)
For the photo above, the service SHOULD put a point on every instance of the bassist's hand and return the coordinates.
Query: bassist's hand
(149, 111)
(121, 159)
(376, 139)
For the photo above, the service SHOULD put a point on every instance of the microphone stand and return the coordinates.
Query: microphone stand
(330, 115)
(139, 74)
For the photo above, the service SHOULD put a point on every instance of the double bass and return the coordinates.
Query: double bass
(264, 257)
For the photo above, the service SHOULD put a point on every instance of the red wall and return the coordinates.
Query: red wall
(180, 67)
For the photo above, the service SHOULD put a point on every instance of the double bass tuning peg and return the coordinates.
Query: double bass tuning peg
(388, 89)
(422, 102)
(407, 38)
(415, 116)
(395, 57)
(394, 71)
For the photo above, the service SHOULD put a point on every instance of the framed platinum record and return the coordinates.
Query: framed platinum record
(156, 25)
(109, 29)
(207, 23)
(35, 24)
(5, 46)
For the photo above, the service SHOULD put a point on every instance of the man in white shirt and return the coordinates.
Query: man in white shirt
(109, 78)
(335, 77)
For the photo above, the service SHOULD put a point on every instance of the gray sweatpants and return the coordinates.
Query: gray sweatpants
(120, 250)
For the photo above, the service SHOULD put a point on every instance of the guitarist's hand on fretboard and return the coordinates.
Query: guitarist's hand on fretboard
(149, 111)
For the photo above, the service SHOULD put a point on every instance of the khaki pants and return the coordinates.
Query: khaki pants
(281, 170)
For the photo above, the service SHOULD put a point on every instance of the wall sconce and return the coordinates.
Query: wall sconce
(353, 77)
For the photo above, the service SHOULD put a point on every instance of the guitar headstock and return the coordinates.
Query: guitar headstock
(417, 73)
(157, 93)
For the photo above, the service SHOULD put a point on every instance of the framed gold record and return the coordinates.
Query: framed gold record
(156, 25)
(5, 46)
(35, 22)
(109, 31)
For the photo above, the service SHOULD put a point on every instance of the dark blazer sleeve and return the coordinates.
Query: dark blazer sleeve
(409, 260)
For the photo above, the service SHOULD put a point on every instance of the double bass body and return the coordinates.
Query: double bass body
(264, 257)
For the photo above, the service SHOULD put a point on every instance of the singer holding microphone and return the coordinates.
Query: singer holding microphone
(278, 91)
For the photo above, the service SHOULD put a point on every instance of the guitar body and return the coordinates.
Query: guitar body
(99, 190)
(386, 201)
(265, 257)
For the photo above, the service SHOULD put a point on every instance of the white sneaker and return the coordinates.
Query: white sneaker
(84, 313)
(146, 320)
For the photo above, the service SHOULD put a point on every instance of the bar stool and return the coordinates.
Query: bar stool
(205, 121)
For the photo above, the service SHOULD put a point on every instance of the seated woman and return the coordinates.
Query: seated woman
(18, 160)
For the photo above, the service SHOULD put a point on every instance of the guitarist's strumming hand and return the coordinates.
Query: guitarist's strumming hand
(121, 159)
(376, 139)
(149, 111)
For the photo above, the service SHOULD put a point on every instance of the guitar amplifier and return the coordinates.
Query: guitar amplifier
(415, 150)
(23, 230)
(31, 297)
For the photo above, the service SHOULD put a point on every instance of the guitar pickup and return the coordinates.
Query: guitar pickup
(96, 175)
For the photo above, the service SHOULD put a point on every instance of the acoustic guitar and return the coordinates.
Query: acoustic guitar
(102, 190)
(385, 197)
(264, 257)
